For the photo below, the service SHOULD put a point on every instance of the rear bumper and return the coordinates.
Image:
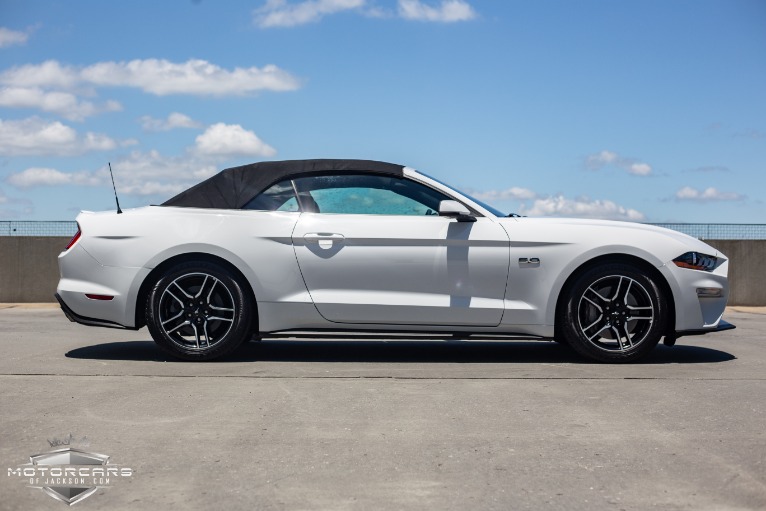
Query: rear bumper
(76, 318)
(81, 275)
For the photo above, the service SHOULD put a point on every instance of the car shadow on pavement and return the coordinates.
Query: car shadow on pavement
(398, 351)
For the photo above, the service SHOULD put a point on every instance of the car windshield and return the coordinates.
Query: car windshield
(483, 204)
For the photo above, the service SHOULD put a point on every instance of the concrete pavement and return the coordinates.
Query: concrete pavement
(389, 424)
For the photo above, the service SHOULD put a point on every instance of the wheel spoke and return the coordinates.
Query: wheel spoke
(177, 327)
(623, 339)
(593, 303)
(174, 317)
(627, 336)
(627, 294)
(212, 287)
(216, 318)
(196, 334)
(642, 314)
(202, 287)
(593, 324)
(617, 337)
(602, 298)
(623, 291)
(616, 291)
(168, 291)
(187, 295)
(207, 336)
(605, 327)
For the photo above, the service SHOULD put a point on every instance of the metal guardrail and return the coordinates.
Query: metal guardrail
(701, 231)
(37, 228)
(720, 231)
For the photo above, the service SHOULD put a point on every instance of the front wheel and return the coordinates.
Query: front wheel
(614, 313)
(199, 311)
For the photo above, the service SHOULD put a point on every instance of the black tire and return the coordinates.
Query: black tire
(613, 312)
(199, 311)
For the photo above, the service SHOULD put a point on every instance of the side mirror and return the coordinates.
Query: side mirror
(454, 209)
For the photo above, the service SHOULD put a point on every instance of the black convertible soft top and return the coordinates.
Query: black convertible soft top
(233, 188)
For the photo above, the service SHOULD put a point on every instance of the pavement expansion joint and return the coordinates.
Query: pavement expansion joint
(419, 378)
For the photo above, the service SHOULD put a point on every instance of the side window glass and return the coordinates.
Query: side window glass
(369, 194)
(279, 197)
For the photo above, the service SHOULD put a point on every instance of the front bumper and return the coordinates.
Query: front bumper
(722, 326)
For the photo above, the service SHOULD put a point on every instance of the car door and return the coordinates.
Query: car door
(374, 250)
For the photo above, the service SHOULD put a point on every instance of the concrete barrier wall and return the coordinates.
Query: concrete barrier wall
(29, 269)
(747, 278)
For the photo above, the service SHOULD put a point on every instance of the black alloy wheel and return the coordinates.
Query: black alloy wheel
(614, 312)
(199, 311)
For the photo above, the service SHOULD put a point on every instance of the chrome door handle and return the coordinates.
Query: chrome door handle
(314, 237)
(325, 240)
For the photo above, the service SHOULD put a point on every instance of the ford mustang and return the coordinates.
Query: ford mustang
(351, 246)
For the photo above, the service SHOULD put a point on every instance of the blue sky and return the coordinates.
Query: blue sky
(641, 110)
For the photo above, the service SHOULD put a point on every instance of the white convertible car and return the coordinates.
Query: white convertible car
(353, 246)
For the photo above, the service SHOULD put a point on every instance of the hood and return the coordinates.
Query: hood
(574, 230)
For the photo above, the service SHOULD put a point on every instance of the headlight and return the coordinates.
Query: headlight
(696, 261)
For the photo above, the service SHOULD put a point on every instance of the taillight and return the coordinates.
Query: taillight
(74, 239)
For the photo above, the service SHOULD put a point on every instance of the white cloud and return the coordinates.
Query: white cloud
(10, 37)
(447, 11)
(639, 169)
(753, 134)
(278, 13)
(139, 173)
(582, 207)
(281, 13)
(231, 140)
(11, 207)
(128, 142)
(35, 136)
(151, 173)
(64, 104)
(609, 158)
(687, 193)
(513, 193)
(534, 204)
(4, 199)
(710, 168)
(173, 121)
(596, 161)
(155, 76)
(97, 142)
(197, 77)
(43, 176)
(49, 74)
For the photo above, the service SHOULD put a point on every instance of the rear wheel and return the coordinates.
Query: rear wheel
(199, 311)
(614, 313)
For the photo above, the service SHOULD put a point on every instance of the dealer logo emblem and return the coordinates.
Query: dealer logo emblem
(70, 475)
